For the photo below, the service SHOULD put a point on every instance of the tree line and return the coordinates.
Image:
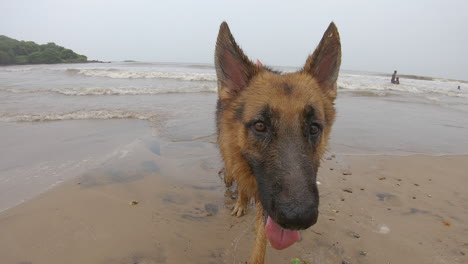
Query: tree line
(13, 51)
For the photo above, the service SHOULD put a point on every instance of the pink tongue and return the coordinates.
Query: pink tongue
(279, 237)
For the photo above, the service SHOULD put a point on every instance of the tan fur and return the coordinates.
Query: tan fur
(311, 86)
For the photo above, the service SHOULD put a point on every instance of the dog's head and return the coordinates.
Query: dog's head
(286, 121)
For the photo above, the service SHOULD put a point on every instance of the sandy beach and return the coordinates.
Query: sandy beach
(116, 164)
(386, 209)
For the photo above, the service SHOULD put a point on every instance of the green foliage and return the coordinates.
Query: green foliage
(47, 56)
(5, 58)
(21, 59)
(13, 51)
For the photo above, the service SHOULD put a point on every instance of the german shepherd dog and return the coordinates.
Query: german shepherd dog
(273, 129)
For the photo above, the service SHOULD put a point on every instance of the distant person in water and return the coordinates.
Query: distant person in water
(459, 87)
(397, 81)
(394, 77)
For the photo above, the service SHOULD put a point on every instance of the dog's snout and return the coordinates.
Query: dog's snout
(298, 218)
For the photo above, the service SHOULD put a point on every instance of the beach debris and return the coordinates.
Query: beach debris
(295, 261)
(209, 214)
(298, 261)
(398, 184)
(354, 234)
(335, 211)
(318, 183)
(331, 169)
(448, 224)
(362, 189)
(328, 158)
(362, 253)
(416, 184)
(348, 190)
(383, 229)
(333, 156)
(315, 232)
(462, 253)
(342, 199)
(347, 172)
(134, 202)
(382, 178)
(399, 179)
(414, 197)
(345, 262)
(430, 196)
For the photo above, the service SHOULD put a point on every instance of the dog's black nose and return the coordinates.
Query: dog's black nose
(299, 217)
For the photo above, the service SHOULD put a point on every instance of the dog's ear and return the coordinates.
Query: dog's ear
(233, 69)
(324, 63)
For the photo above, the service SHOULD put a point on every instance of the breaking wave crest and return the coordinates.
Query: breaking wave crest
(122, 74)
(82, 91)
(78, 115)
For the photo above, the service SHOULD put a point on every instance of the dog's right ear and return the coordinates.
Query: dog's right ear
(233, 69)
(324, 63)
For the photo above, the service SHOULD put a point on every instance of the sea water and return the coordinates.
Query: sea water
(57, 121)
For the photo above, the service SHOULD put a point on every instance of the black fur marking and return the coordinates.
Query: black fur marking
(219, 111)
(288, 90)
(268, 68)
(239, 112)
(310, 119)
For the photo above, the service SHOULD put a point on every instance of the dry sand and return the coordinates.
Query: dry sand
(390, 209)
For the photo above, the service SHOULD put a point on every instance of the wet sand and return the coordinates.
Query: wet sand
(386, 209)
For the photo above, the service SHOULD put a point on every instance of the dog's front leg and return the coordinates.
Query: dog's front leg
(241, 204)
(258, 254)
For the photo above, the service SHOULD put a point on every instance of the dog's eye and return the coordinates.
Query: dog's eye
(314, 130)
(260, 126)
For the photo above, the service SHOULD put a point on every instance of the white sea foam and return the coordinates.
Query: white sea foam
(78, 115)
(82, 91)
(427, 88)
(181, 79)
(123, 74)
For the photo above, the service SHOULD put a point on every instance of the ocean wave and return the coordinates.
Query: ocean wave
(122, 74)
(413, 88)
(78, 115)
(16, 69)
(83, 91)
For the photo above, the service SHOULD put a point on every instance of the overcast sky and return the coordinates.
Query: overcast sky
(422, 37)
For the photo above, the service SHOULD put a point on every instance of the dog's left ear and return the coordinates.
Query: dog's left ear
(233, 69)
(324, 63)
